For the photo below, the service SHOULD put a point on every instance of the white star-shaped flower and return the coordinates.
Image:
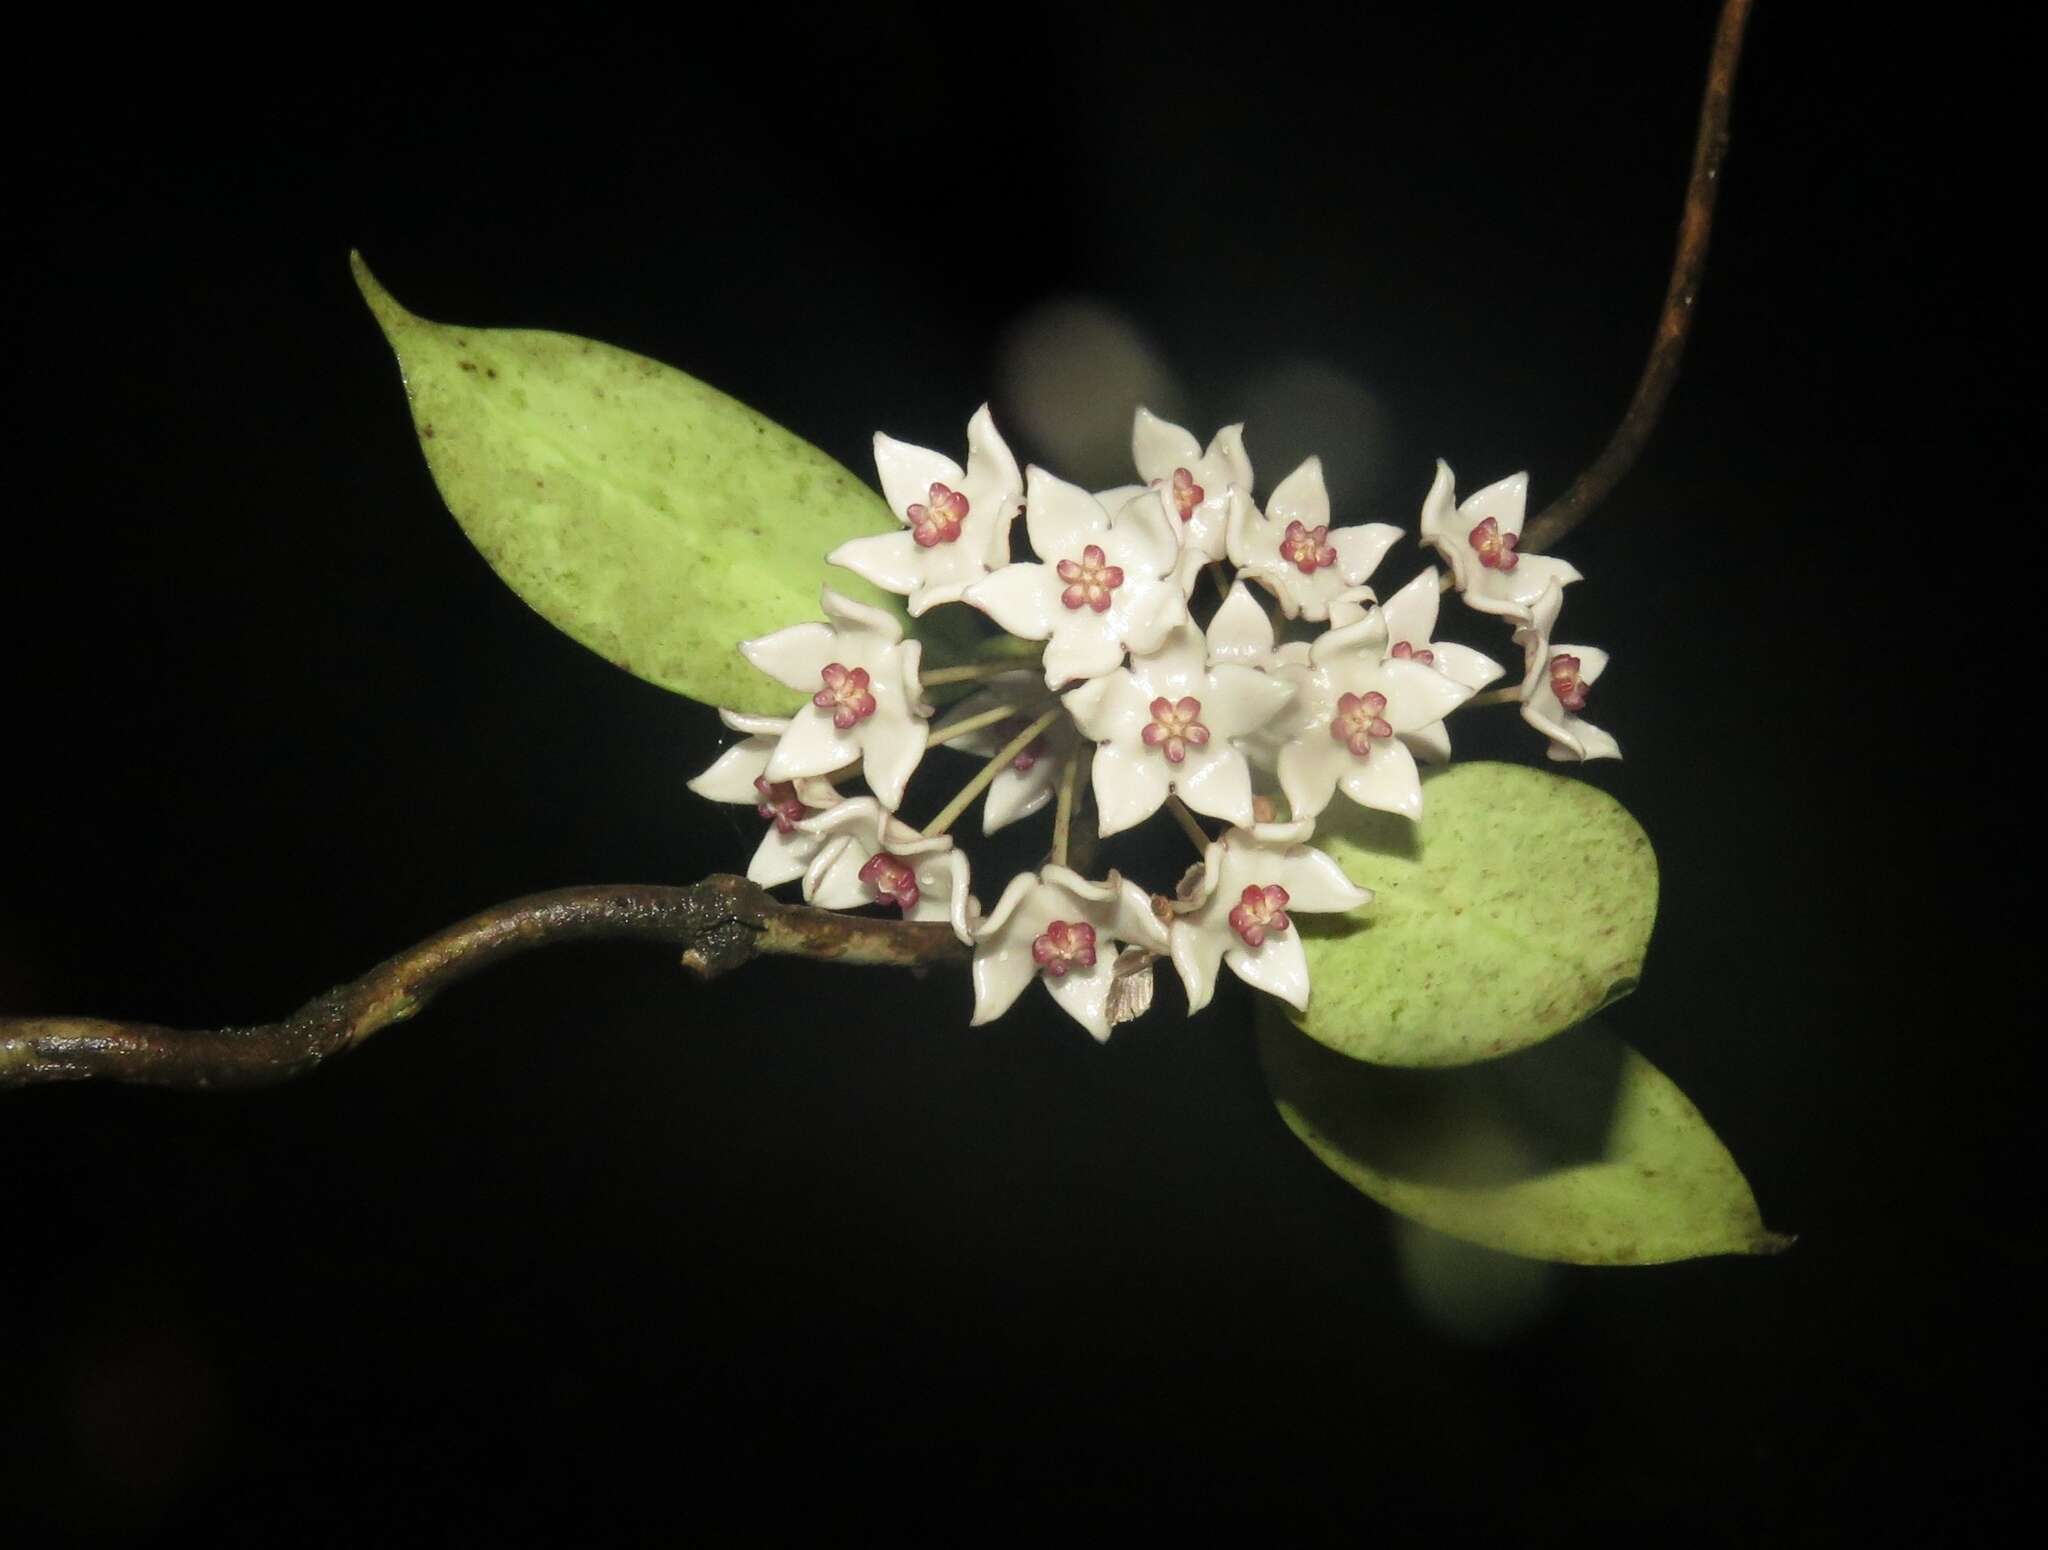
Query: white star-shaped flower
(1059, 926)
(1195, 484)
(1024, 785)
(1480, 542)
(867, 701)
(740, 774)
(1293, 549)
(1170, 723)
(1554, 684)
(1239, 908)
(1354, 699)
(1105, 585)
(867, 856)
(1410, 616)
(956, 526)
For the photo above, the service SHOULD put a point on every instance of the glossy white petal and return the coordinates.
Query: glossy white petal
(1277, 966)
(1163, 451)
(1463, 665)
(1003, 962)
(930, 574)
(1024, 598)
(731, 778)
(1386, 779)
(793, 657)
(1411, 612)
(1258, 545)
(855, 832)
(1242, 630)
(1082, 648)
(752, 725)
(1430, 744)
(890, 737)
(1572, 737)
(812, 746)
(1203, 935)
(1301, 497)
(851, 617)
(1449, 527)
(781, 858)
(1130, 786)
(892, 743)
(1083, 994)
(1140, 605)
(1131, 777)
(1061, 518)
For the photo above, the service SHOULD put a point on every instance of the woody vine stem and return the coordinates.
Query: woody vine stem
(723, 921)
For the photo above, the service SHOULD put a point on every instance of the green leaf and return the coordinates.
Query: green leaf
(1520, 905)
(1578, 1150)
(651, 517)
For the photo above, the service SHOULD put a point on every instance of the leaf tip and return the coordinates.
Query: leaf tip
(1771, 1243)
(389, 314)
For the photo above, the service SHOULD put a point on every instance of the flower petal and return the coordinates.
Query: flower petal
(1300, 497)
(1309, 767)
(1197, 952)
(1463, 665)
(892, 743)
(908, 474)
(1216, 781)
(1083, 994)
(1277, 966)
(1314, 882)
(795, 656)
(781, 858)
(1023, 598)
(1085, 645)
(1159, 446)
(1129, 786)
(1016, 794)
(1061, 518)
(1387, 780)
(892, 561)
(1146, 539)
(732, 777)
(812, 746)
(854, 618)
(1505, 501)
(1241, 631)
(1417, 695)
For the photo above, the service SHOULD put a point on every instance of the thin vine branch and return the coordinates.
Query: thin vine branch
(724, 922)
(720, 923)
(1674, 323)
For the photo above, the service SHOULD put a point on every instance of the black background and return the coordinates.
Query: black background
(591, 1251)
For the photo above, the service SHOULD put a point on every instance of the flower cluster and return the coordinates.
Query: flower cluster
(1293, 682)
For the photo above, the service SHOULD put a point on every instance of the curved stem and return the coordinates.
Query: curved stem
(976, 786)
(1188, 826)
(719, 923)
(1680, 297)
(1063, 807)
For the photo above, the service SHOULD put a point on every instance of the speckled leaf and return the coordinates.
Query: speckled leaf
(651, 517)
(1519, 905)
(1577, 1150)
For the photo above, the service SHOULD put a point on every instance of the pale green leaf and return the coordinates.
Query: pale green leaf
(1519, 905)
(651, 517)
(1577, 1150)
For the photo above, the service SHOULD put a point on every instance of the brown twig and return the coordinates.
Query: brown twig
(719, 923)
(1660, 371)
